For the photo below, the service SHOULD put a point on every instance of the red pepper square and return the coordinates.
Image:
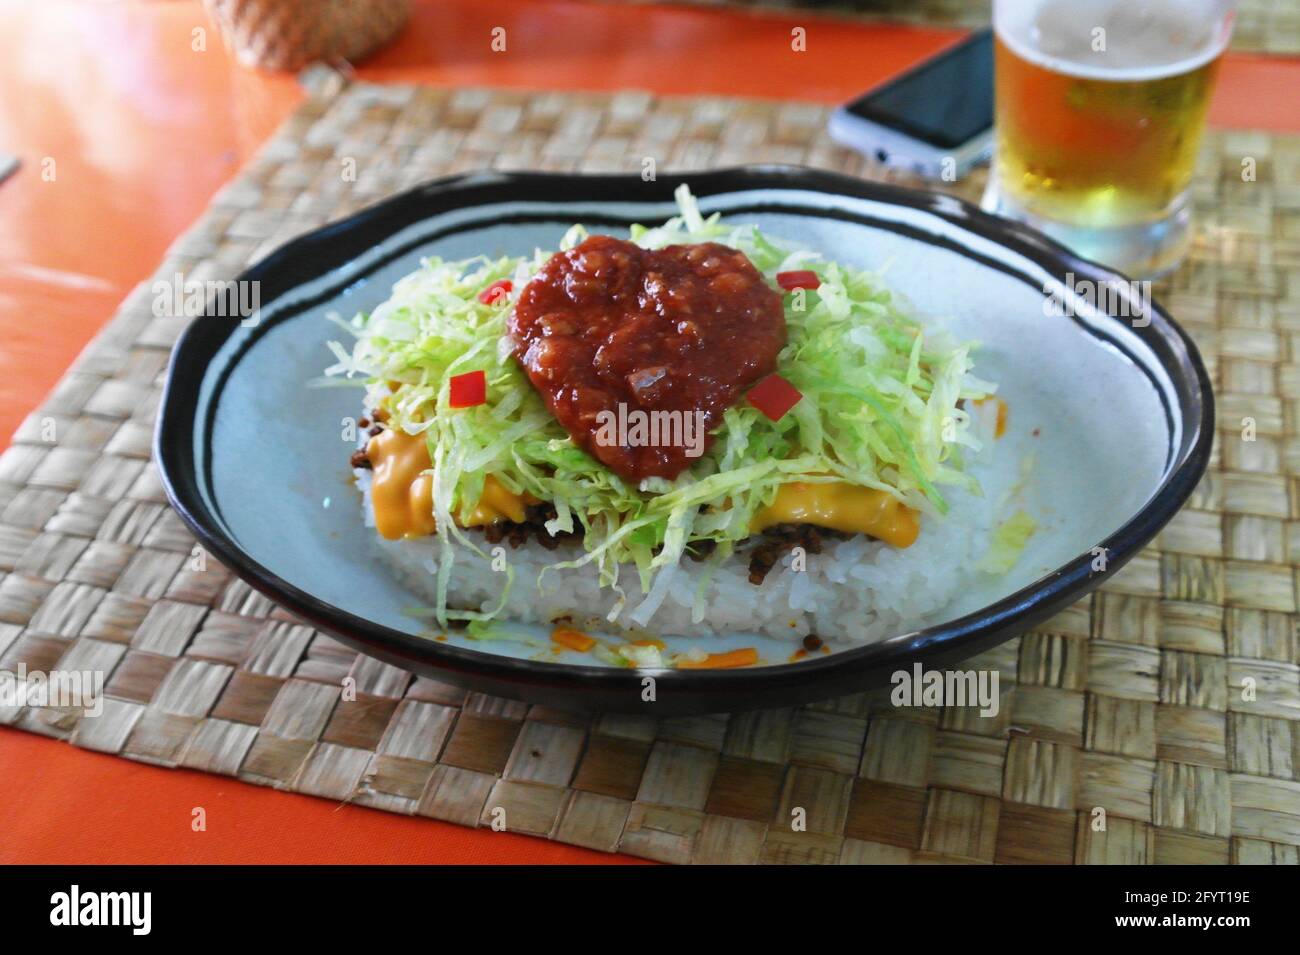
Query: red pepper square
(800, 278)
(774, 396)
(496, 292)
(469, 389)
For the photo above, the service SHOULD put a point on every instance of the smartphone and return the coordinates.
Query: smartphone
(935, 120)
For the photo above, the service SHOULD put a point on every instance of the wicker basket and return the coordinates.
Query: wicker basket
(288, 34)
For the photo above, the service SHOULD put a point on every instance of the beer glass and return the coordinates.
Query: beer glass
(1099, 110)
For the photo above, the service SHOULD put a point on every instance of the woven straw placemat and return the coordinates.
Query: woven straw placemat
(1263, 26)
(1169, 701)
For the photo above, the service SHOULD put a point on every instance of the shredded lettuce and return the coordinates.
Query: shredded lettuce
(883, 407)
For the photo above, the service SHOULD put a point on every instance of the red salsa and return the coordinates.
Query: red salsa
(682, 329)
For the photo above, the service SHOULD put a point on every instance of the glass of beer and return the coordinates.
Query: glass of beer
(1100, 106)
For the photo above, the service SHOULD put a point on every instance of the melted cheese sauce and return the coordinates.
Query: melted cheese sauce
(842, 507)
(1000, 427)
(401, 489)
(401, 492)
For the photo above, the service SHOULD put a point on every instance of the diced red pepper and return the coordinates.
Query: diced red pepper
(774, 396)
(469, 389)
(802, 278)
(496, 292)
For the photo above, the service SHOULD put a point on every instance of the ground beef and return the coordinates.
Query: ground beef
(767, 552)
(776, 540)
(534, 524)
(701, 549)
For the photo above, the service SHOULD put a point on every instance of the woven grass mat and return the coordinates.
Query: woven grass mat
(1263, 26)
(1170, 700)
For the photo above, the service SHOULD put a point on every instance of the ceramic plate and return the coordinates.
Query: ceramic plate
(1112, 405)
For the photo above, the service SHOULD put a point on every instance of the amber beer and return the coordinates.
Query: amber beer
(1100, 106)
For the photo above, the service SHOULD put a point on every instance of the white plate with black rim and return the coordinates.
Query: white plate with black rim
(1111, 397)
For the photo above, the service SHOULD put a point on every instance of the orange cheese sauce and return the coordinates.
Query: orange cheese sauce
(572, 639)
(401, 489)
(842, 507)
(1000, 428)
(744, 657)
(401, 493)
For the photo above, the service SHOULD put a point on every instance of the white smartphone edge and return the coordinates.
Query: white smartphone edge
(897, 150)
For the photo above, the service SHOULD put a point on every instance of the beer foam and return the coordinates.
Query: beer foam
(1143, 40)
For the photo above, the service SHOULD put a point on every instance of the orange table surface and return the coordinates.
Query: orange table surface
(125, 131)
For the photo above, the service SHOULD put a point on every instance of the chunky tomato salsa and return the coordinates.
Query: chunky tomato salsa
(610, 327)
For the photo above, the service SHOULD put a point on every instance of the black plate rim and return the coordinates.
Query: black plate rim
(319, 251)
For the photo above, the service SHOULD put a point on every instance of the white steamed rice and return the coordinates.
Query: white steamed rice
(856, 591)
